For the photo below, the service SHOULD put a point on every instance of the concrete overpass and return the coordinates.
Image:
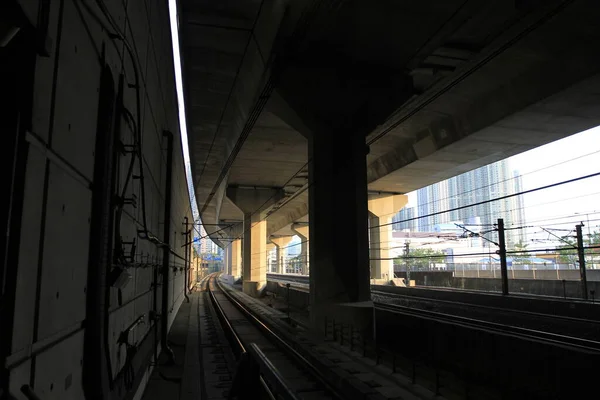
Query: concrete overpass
(309, 109)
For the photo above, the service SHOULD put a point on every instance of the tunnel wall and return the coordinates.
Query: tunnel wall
(52, 271)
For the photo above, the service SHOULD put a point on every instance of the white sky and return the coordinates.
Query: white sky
(576, 156)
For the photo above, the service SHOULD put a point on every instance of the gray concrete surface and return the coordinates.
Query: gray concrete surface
(52, 269)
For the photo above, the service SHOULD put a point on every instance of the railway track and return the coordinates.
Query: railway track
(571, 328)
(512, 361)
(469, 350)
(571, 342)
(267, 364)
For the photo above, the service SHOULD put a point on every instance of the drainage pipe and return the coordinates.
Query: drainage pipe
(167, 251)
(186, 269)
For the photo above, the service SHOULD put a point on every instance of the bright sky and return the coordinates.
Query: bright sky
(565, 159)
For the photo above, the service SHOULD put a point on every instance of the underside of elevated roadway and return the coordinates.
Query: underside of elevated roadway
(487, 80)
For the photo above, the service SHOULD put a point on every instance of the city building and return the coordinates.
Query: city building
(205, 245)
(406, 215)
(474, 187)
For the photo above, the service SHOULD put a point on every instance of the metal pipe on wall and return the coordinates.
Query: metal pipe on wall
(186, 268)
(167, 251)
(97, 366)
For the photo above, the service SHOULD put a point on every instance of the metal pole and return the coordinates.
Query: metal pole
(406, 254)
(590, 242)
(581, 255)
(164, 332)
(287, 285)
(502, 254)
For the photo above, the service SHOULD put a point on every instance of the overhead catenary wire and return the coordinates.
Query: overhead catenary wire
(512, 210)
(576, 216)
(494, 199)
(508, 179)
(457, 238)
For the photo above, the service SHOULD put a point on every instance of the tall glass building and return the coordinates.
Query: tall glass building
(477, 186)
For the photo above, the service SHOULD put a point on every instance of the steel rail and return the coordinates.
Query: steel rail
(281, 343)
(568, 342)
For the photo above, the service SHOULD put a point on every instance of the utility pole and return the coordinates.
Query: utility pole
(581, 255)
(406, 253)
(502, 254)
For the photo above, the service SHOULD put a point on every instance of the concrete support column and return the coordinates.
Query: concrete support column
(382, 211)
(253, 203)
(338, 226)
(336, 103)
(303, 233)
(280, 243)
(255, 251)
(236, 258)
(228, 252)
(226, 262)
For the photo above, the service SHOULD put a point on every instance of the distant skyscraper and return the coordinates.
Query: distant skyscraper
(477, 186)
(518, 207)
(205, 244)
(405, 214)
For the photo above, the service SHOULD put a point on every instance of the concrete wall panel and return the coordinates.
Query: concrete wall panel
(58, 370)
(18, 375)
(62, 296)
(76, 101)
(65, 256)
(43, 80)
(28, 257)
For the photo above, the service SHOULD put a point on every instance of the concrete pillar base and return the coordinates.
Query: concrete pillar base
(359, 316)
(253, 288)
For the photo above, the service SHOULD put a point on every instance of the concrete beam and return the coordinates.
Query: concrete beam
(526, 88)
(254, 201)
(292, 211)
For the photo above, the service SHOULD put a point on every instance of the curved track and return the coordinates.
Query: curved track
(283, 372)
